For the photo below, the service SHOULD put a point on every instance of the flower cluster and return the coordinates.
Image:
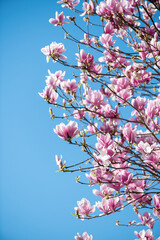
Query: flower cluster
(111, 101)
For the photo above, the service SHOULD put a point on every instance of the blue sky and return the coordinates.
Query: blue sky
(35, 201)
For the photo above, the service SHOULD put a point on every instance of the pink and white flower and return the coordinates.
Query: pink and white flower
(59, 20)
(67, 132)
(54, 51)
(84, 236)
(84, 208)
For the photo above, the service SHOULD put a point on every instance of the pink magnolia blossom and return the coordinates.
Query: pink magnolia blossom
(144, 235)
(124, 95)
(108, 206)
(104, 191)
(125, 177)
(137, 74)
(129, 133)
(145, 148)
(135, 192)
(109, 29)
(147, 219)
(156, 210)
(53, 80)
(87, 40)
(114, 59)
(92, 128)
(139, 103)
(79, 114)
(69, 3)
(94, 98)
(54, 51)
(69, 86)
(49, 95)
(67, 132)
(84, 208)
(86, 62)
(59, 20)
(106, 111)
(104, 141)
(106, 40)
(84, 236)
(88, 8)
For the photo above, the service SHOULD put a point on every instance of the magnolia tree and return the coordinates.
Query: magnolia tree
(112, 105)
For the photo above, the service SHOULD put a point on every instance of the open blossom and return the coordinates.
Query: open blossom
(79, 114)
(109, 29)
(86, 62)
(144, 147)
(67, 132)
(129, 133)
(108, 206)
(87, 40)
(49, 95)
(84, 236)
(84, 207)
(69, 86)
(147, 219)
(54, 51)
(94, 98)
(69, 3)
(139, 103)
(104, 191)
(59, 20)
(144, 235)
(54, 79)
(92, 128)
(137, 74)
(88, 8)
(156, 210)
(106, 40)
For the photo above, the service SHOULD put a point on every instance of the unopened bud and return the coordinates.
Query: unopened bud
(117, 222)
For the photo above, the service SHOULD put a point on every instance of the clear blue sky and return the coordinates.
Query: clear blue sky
(35, 201)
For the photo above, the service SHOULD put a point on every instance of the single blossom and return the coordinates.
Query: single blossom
(146, 219)
(108, 206)
(156, 201)
(84, 236)
(54, 51)
(53, 80)
(84, 208)
(88, 8)
(144, 235)
(49, 95)
(69, 3)
(69, 86)
(59, 20)
(67, 132)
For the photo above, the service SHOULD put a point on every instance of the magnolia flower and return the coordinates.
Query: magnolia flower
(49, 95)
(156, 210)
(58, 21)
(144, 235)
(54, 51)
(84, 236)
(69, 3)
(67, 132)
(147, 219)
(84, 207)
